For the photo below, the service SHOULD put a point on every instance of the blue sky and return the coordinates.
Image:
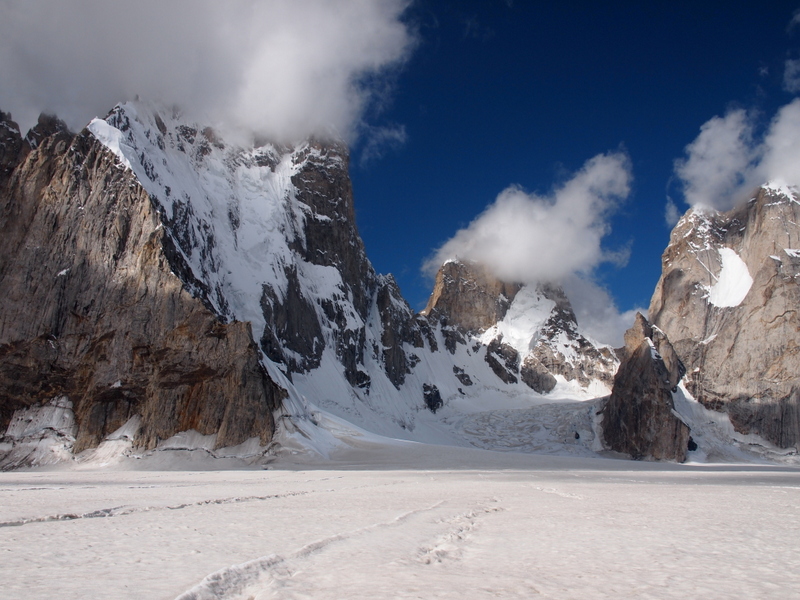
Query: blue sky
(499, 93)
(449, 105)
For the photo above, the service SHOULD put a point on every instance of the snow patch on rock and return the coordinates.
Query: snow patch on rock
(733, 283)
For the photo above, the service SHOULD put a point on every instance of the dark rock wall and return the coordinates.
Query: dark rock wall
(92, 309)
(639, 417)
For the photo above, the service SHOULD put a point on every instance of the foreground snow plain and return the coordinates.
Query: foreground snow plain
(392, 519)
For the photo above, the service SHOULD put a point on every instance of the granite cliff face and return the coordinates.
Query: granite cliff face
(467, 295)
(94, 316)
(728, 299)
(156, 276)
(639, 418)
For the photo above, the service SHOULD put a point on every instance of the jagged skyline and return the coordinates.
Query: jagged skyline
(510, 94)
(460, 110)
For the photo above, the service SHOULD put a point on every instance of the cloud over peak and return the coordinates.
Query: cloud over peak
(284, 68)
(531, 238)
(729, 158)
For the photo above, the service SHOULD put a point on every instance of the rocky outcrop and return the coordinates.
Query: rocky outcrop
(728, 299)
(530, 332)
(93, 311)
(433, 399)
(536, 376)
(563, 350)
(468, 296)
(503, 360)
(293, 335)
(639, 418)
(11, 146)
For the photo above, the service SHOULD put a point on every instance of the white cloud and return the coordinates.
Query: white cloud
(780, 152)
(285, 68)
(791, 76)
(727, 161)
(596, 311)
(379, 140)
(718, 160)
(671, 213)
(528, 238)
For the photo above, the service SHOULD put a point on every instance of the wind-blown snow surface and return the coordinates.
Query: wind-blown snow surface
(462, 524)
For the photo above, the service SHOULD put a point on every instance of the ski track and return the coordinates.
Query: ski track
(427, 536)
(120, 511)
(500, 525)
(240, 581)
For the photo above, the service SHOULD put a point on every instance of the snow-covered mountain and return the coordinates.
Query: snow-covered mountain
(167, 288)
(157, 269)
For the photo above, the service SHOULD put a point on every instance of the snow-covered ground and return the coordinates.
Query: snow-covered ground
(392, 519)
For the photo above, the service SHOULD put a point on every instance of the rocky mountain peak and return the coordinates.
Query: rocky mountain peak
(46, 126)
(11, 146)
(530, 331)
(643, 330)
(467, 295)
(728, 298)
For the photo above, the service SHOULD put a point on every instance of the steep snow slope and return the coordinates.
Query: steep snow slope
(268, 236)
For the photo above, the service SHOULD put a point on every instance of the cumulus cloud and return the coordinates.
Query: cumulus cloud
(671, 213)
(718, 160)
(530, 238)
(284, 68)
(779, 154)
(727, 161)
(596, 311)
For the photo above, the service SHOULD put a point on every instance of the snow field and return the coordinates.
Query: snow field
(464, 524)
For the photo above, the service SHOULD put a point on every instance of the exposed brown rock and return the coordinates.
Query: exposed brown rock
(92, 309)
(639, 418)
(503, 360)
(745, 359)
(536, 376)
(11, 146)
(468, 296)
(467, 300)
(643, 330)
